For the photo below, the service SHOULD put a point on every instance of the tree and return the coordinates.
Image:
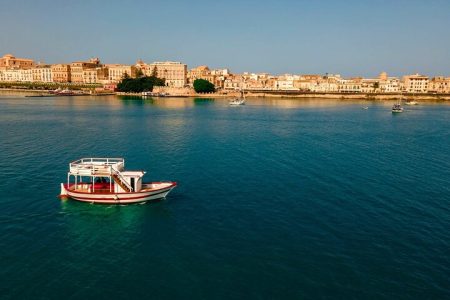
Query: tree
(139, 73)
(138, 85)
(154, 72)
(203, 86)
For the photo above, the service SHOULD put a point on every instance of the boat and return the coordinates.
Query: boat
(65, 92)
(412, 102)
(58, 90)
(105, 181)
(238, 101)
(397, 108)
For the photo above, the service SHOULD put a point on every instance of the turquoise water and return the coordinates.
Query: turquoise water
(278, 199)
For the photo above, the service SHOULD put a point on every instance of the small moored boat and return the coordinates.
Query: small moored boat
(397, 108)
(238, 101)
(411, 102)
(109, 183)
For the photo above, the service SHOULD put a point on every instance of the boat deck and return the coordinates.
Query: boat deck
(96, 166)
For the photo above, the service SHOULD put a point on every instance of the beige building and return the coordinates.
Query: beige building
(96, 75)
(439, 85)
(200, 72)
(175, 73)
(216, 77)
(233, 82)
(61, 73)
(116, 72)
(415, 83)
(249, 81)
(78, 67)
(9, 61)
(352, 85)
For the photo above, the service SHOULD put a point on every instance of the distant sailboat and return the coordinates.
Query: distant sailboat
(238, 101)
(397, 108)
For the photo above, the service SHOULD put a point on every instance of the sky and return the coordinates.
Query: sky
(351, 38)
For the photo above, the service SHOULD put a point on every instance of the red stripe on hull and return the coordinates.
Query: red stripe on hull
(118, 198)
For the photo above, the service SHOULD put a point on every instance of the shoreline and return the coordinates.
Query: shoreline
(267, 94)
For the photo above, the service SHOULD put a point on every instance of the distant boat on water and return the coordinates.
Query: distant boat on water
(397, 108)
(238, 101)
(67, 92)
(411, 102)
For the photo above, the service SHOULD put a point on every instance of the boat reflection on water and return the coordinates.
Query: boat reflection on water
(115, 226)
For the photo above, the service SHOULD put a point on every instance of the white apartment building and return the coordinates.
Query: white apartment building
(324, 87)
(16, 75)
(286, 82)
(390, 85)
(349, 85)
(415, 83)
(42, 74)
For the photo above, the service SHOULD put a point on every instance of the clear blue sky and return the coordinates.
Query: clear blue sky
(285, 36)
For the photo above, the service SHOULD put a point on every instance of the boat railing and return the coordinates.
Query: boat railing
(96, 166)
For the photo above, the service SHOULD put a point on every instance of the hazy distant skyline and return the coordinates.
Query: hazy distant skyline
(352, 38)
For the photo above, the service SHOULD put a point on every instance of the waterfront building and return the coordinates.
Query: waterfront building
(439, 85)
(324, 86)
(233, 83)
(116, 72)
(16, 75)
(389, 84)
(77, 69)
(197, 73)
(200, 72)
(286, 82)
(314, 83)
(370, 85)
(95, 75)
(352, 85)
(175, 73)
(260, 81)
(249, 81)
(9, 61)
(42, 73)
(216, 77)
(415, 83)
(61, 73)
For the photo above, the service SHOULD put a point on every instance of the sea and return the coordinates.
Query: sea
(276, 199)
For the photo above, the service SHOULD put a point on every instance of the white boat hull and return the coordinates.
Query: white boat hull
(68, 192)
